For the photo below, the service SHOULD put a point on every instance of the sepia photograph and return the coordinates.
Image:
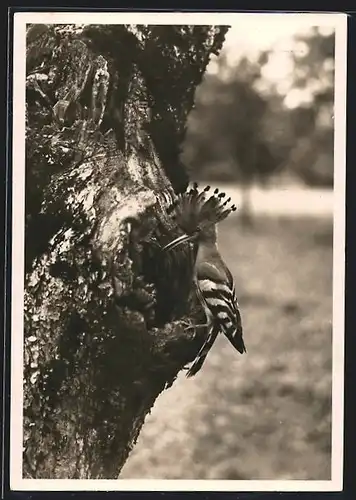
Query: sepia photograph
(178, 237)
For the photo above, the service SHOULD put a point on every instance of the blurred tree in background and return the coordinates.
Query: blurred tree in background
(312, 124)
(226, 137)
(245, 132)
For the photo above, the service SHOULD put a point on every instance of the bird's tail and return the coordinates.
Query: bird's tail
(235, 337)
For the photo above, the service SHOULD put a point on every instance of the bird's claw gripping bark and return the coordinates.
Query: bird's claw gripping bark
(193, 326)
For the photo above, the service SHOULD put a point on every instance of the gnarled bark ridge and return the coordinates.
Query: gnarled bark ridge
(106, 107)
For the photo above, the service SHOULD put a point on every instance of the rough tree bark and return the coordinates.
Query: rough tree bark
(105, 111)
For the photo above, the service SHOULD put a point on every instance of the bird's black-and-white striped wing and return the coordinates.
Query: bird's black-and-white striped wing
(220, 298)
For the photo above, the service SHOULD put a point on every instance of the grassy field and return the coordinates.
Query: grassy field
(266, 414)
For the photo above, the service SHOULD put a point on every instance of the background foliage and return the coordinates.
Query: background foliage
(252, 133)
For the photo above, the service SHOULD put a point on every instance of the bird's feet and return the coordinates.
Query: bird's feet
(191, 326)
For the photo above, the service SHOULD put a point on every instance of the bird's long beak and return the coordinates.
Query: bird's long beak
(181, 239)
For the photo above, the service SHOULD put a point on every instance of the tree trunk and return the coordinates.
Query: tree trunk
(103, 305)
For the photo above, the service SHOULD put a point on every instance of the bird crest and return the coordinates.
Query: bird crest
(196, 209)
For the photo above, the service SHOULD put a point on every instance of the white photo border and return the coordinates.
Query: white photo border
(17, 482)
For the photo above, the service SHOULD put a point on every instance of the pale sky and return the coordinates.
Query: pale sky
(254, 33)
(262, 31)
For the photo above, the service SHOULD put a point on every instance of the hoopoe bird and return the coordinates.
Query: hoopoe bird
(197, 214)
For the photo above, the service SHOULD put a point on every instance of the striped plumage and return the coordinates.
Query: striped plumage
(197, 215)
